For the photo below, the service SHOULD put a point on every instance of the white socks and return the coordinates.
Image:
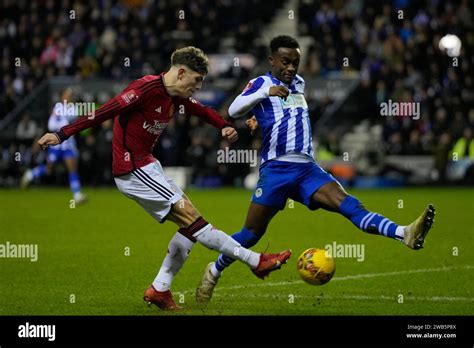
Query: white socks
(215, 272)
(178, 250)
(215, 239)
(400, 232)
(212, 238)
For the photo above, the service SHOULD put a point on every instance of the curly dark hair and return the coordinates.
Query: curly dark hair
(283, 41)
(192, 57)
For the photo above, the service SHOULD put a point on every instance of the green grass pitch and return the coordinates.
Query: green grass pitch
(82, 256)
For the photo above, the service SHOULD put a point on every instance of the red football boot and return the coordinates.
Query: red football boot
(271, 262)
(162, 299)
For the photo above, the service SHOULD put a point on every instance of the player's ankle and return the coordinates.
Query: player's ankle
(215, 272)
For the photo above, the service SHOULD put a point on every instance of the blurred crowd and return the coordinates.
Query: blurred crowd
(394, 44)
(119, 40)
(112, 38)
(395, 47)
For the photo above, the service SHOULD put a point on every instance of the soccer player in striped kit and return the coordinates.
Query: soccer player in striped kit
(66, 152)
(141, 113)
(288, 168)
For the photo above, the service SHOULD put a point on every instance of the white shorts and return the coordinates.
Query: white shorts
(151, 188)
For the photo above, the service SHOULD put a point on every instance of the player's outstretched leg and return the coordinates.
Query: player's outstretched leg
(258, 218)
(246, 238)
(183, 213)
(213, 270)
(214, 239)
(32, 174)
(74, 180)
(412, 235)
(164, 200)
(332, 196)
(261, 264)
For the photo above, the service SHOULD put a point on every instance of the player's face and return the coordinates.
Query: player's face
(284, 63)
(189, 82)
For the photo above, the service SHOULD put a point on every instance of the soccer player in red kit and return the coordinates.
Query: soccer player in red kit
(142, 111)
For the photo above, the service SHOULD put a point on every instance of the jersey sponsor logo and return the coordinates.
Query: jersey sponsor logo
(129, 96)
(155, 128)
(294, 101)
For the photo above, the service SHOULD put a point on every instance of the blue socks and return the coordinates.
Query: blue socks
(350, 207)
(38, 171)
(74, 183)
(245, 238)
(369, 222)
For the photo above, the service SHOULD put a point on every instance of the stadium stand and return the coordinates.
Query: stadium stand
(390, 47)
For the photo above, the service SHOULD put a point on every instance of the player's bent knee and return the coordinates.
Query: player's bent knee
(183, 213)
(257, 229)
(350, 206)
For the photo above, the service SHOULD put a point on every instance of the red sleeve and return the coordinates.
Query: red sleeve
(130, 99)
(208, 114)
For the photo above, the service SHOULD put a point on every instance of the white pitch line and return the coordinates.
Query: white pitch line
(359, 297)
(349, 277)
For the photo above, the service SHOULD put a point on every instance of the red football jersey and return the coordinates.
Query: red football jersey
(142, 112)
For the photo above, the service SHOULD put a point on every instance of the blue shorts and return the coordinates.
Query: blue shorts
(281, 180)
(56, 155)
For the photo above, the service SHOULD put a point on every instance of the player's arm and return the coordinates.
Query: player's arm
(210, 116)
(124, 102)
(253, 94)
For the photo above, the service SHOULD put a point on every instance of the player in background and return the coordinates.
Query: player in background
(288, 168)
(66, 152)
(142, 111)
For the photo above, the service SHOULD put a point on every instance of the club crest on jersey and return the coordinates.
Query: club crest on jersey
(249, 85)
(156, 128)
(129, 96)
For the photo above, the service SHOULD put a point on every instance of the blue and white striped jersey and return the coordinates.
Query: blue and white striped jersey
(285, 124)
(60, 117)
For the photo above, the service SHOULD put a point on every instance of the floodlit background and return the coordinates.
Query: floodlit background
(360, 58)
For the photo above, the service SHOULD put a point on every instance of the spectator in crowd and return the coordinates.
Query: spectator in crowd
(119, 40)
(397, 58)
(463, 155)
(441, 155)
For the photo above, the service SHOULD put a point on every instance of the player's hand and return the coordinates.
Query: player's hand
(278, 91)
(252, 124)
(47, 140)
(230, 134)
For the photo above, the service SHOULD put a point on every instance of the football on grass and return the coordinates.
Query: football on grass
(315, 266)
